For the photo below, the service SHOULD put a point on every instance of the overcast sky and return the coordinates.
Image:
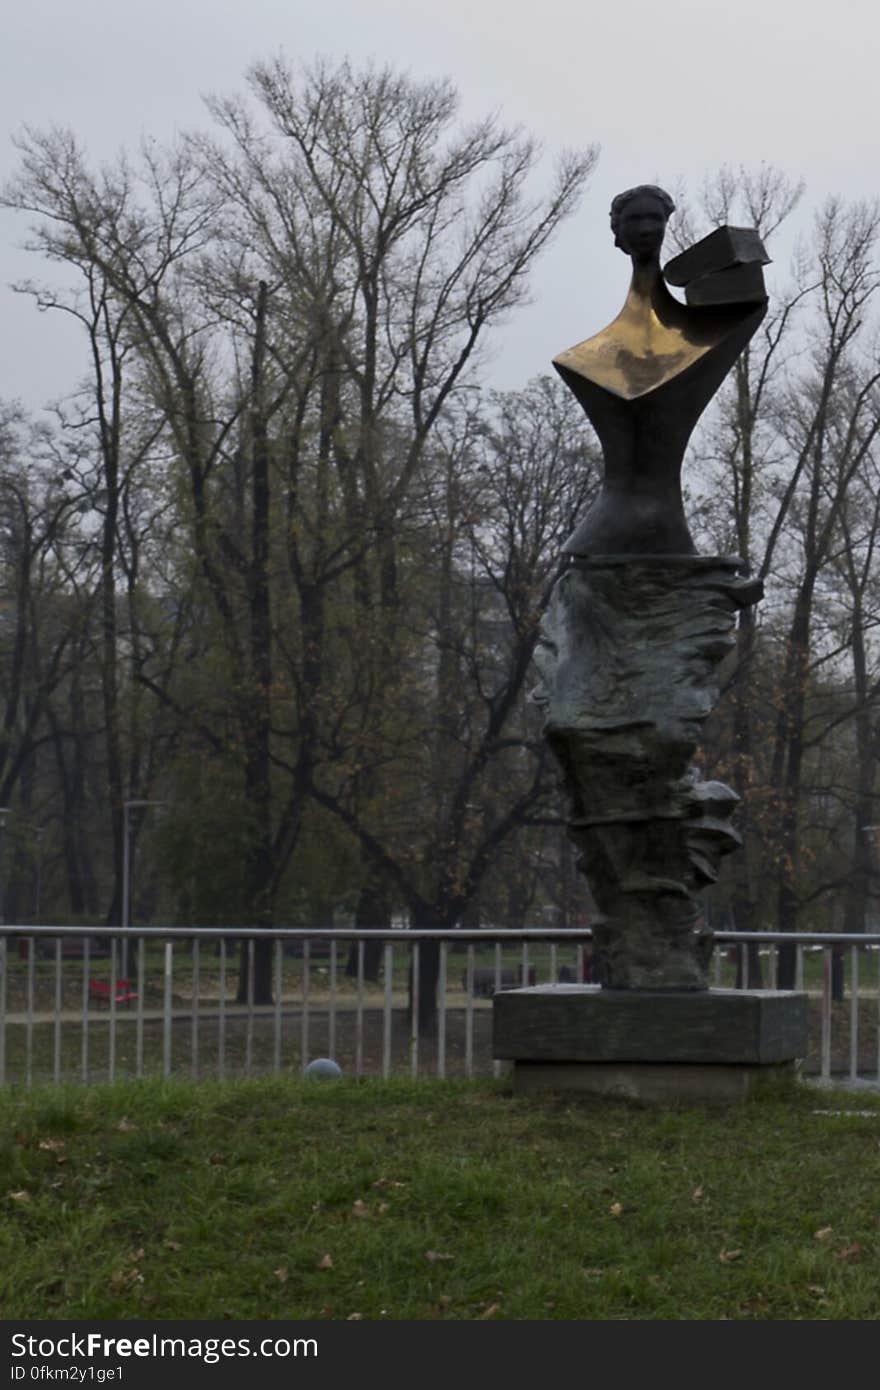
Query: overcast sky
(668, 90)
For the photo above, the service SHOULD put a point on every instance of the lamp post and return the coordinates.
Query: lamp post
(126, 875)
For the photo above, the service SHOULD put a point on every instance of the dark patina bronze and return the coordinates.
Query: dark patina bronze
(638, 623)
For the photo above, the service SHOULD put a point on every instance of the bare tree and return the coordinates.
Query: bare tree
(504, 493)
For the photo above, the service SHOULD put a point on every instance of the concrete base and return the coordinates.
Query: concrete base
(653, 1081)
(701, 1045)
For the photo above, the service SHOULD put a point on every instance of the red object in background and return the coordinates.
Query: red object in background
(99, 990)
(586, 966)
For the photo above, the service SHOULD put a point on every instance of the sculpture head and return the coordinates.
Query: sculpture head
(638, 220)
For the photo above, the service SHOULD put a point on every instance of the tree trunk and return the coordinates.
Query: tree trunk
(424, 918)
(373, 913)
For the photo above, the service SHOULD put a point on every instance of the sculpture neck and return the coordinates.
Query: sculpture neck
(646, 279)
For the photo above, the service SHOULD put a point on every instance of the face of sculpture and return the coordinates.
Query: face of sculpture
(641, 227)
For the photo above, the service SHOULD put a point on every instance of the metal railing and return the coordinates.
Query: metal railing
(190, 1005)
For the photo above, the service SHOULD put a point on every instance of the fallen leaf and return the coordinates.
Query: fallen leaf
(823, 1233)
(490, 1312)
(171, 1244)
(387, 1182)
(728, 1256)
(325, 1262)
(697, 1194)
(816, 1288)
(360, 1208)
(51, 1144)
(383, 1208)
(281, 1274)
(432, 1256)
(616, 1209)
(125, 1125)
(849, 1252)
(21, 1196)
(355, 1317)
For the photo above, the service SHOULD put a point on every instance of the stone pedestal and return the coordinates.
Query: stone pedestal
(647, 1045)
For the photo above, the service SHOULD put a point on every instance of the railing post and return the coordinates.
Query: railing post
(304, 1019)
(469, 1013)
(3, 965)
(877, 955)
(139, 1008)
(387, 1003)
(84, 1056)
(414, 1014)
(331, 1007)
(441, 1012)
(196, 1004)
(56, 1040)
(250, 947)
(221, 1013)
(166, 1019)
(279, 990)
(359, 1011)
(826, 1014)
(111, 1052)
(853, 1013)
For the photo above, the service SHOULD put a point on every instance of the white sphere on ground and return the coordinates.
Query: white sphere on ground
(324, 1069)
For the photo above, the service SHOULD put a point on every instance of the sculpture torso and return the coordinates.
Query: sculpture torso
(644, 381)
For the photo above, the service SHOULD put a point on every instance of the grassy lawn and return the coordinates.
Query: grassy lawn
(288, 1199)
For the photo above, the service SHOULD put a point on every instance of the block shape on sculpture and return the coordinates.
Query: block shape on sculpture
(738, 284)
(726, 246)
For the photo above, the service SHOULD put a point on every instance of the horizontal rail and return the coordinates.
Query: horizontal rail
(486, 935)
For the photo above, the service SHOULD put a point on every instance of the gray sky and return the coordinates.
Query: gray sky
(668, 91)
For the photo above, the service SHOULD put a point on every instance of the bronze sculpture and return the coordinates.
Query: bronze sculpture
(638, 622)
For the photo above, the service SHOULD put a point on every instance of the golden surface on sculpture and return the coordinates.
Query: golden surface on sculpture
(653, 339)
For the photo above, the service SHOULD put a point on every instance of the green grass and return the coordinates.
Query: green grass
(454, 1200)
